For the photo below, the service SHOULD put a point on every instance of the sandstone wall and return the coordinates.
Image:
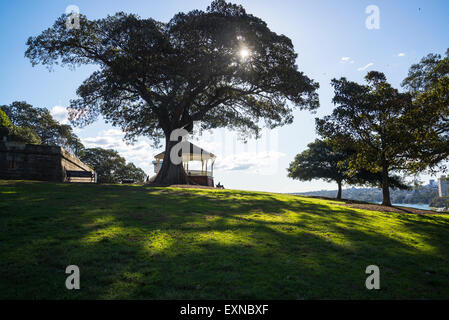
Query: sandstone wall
(71, 163)
(20, 161)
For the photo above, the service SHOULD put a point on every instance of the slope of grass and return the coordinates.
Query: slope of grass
(133, 242)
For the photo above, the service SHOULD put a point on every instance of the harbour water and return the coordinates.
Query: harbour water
(421, 206)
(413, 205)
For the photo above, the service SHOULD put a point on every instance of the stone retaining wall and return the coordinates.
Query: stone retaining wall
(19, 161)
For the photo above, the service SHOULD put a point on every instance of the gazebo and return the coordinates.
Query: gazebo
(191, 152)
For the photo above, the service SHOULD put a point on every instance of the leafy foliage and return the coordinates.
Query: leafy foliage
(322, 161)
(5, 124)
(440, 202)
(15, 133)
(23, 134)
(111, 167)
(428, 82)
(374, 119)
(319, 161)
(4, 120)
(40, 121)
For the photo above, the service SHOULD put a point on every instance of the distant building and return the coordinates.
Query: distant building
(443, 186)
(432, 183)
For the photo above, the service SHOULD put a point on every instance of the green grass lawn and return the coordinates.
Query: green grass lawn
(133, 242)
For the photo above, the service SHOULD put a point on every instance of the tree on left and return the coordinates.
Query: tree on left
(40, 122)
(15, 133)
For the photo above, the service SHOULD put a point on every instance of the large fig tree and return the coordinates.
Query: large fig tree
(221, 67)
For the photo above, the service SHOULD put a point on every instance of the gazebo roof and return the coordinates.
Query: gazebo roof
(195, 153)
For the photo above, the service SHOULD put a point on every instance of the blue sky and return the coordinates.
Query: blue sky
(330, 37)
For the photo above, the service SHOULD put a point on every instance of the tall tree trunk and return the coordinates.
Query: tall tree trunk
(385, 187)
(339, 190)
(170, 173)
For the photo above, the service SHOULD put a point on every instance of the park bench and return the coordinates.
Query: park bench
(80, 174)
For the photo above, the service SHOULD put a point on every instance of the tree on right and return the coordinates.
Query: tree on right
(428, 83)
(379, 122)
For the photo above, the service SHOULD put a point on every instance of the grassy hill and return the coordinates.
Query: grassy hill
(133, 242)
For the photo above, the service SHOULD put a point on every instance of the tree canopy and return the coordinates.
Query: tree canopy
(319, 161)
(111, 167)
(16, 133)
(42, 123)
(4, 120)
(428, 83)
(221, 67)
(374, 119)
(322, 161)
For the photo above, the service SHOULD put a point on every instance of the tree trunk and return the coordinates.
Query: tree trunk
(339, 190)
(385, 187)
(170, 173)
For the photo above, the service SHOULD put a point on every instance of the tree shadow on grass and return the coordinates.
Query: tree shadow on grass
(151, 243)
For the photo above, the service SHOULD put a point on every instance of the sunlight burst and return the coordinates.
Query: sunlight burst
(244, 53)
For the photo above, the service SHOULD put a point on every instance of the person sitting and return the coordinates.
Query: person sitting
(219, 186)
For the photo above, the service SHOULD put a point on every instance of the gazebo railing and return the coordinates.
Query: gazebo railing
(199, 173)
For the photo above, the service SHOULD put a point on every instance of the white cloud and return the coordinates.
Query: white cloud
(60, 113)
(401, 54)
(256, 156)
(113, 133)
(103, 142)
(251, 162)
(140, 153)
(365, 67)
(346, 60)
(77, 131)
